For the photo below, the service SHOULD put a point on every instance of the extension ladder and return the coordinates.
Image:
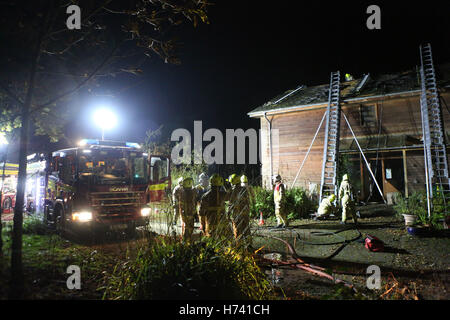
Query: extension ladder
(329, 183)
(435, 154)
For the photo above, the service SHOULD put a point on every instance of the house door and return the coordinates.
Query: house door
(393, 177)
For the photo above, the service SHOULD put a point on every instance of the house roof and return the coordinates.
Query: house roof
(384, 84)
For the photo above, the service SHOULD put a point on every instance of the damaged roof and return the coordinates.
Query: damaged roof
(385, 84)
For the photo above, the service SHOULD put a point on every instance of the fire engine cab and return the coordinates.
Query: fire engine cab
(102, 186)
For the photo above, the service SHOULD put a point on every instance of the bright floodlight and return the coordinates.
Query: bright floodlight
(105, 119)
(3, 139)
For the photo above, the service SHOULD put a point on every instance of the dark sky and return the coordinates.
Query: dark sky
(254, 50)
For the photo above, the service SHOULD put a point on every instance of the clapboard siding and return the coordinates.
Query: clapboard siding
(294, 131)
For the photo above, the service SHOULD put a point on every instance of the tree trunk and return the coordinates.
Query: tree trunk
(17, 281)
(1, 201)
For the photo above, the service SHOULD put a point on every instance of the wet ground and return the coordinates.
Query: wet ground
(421, 264)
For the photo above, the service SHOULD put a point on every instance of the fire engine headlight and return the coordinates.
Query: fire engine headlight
(145, 211)
(83, 216)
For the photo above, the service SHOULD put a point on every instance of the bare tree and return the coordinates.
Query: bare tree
(44, 63)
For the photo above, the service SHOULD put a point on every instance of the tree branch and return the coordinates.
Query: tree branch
(81, 84)
(11, 94)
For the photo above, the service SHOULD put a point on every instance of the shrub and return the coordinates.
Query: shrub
(178, 270)
(262, 202)
(298, 203)
(35, 225)
(416, 204)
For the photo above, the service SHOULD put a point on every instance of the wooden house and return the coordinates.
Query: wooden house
(384, 113)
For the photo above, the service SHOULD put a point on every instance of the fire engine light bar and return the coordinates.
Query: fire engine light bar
(133, 145)
(85, 142)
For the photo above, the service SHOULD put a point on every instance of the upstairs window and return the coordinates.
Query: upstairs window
(368, 115)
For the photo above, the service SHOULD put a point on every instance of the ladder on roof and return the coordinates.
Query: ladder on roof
(436, 166)
(329, 183)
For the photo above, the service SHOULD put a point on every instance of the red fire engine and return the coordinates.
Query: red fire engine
(102, 186)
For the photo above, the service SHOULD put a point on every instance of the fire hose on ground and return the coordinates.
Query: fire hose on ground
(316, 270)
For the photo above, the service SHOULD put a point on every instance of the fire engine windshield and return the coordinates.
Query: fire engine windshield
(112, 166)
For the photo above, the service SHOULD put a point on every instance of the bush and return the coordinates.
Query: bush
(177, 270)
(35, 225)
(298, 203)
(416, 204)
(262, 202)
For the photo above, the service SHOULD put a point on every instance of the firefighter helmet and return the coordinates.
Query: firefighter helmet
(276, 178)
(244, 179)
(216, 180)
(345, 177)
(188, 182)
(332, 197)
(234, 179)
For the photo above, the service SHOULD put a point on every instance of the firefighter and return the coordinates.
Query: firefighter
(187, 203)
(326, 207)
(175, 197)
(279, 197)
(212, 208)
(202, 188)
(244, 181)
(346, 196)
(239, 208)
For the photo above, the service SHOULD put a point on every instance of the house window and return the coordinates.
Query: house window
(368, 115)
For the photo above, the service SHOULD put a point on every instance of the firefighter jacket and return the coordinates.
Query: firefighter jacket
(212, 209)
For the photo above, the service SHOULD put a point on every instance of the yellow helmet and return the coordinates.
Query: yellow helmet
(234, 179)
(345, 177)
(188, 182)
(332, 197)
(244, 179)
(216, 180)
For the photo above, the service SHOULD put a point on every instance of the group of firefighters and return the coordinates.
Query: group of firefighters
(216, 202)
(327, 206)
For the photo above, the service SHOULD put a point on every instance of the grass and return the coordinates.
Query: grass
(156, 268)
(46, 257)
(175, 270)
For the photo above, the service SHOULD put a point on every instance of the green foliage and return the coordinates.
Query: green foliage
(35, 225)
(178, 270)
(415, 204)
(298, 203)
(192, 170)
(262, 202)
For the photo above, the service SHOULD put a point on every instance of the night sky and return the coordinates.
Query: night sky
(254, 50)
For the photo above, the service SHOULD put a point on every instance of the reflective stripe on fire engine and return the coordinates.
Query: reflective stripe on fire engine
(157, 187)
